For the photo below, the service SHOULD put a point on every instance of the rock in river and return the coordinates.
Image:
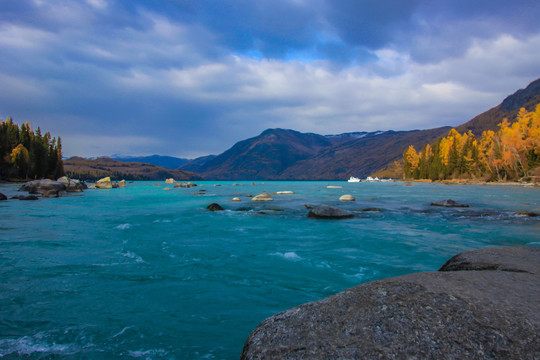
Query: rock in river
(42, 186)
(26, 197)
(262, 197)
(104, 183)
(215, 207)
(329, 212)
(72, 185)
(185, 185)
(50, 194)
(448, 203)
(481, 304)
(346, 197)
(3, 197)
(527, 213)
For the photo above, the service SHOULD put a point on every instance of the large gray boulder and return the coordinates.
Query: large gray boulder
(329, 212)
(42, 186)
(72, 185)
(481, 304)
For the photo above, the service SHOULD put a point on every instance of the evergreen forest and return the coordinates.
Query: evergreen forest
(27, 154)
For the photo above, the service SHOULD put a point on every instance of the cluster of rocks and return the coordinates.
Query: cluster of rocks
(107, 183)
(324, 211)
(50, 189)
(481, 304)
(184, 184)
(180, 184)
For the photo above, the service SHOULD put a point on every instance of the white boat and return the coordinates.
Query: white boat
(353, 179)
(370, 179)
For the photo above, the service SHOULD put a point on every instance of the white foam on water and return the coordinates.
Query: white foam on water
(28, 345)
(104, 265)
(148, 354)
(359, 275)
(123, 226)
(132, 255)
(162, 221)
(122, 331)
(290, 255)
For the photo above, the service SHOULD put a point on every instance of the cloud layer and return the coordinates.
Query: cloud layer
(189, 78)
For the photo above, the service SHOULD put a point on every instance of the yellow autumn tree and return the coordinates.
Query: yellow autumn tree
(20, 157)
(411, 160)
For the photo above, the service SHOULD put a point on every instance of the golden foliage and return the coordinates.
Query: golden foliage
(510, 153)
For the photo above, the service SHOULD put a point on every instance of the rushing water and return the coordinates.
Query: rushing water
(144, 273)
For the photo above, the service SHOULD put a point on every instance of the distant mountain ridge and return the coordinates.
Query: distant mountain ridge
(93, 169)
(167, 162)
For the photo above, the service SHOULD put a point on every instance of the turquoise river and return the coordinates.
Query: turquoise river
(144, 273)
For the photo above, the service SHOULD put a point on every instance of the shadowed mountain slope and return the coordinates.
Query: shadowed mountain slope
(265, 156)
(509, 108)
(195, 165)
(360, 157)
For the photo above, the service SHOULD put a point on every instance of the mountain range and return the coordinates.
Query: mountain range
(282, 154)
(279, 154)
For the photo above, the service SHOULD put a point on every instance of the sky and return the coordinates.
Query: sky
(189, 78)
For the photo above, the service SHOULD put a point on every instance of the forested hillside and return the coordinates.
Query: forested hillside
(511, 153)
(27, 154)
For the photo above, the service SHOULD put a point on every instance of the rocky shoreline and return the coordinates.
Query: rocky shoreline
(481, 304)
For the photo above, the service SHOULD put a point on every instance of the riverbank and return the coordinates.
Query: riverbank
(535, 183)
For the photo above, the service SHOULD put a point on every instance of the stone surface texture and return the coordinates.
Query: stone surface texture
(448, 203)
(329, 212)
(215, 207)
(104, 183)
(482, 304)
(262, 197)
(42, 186)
